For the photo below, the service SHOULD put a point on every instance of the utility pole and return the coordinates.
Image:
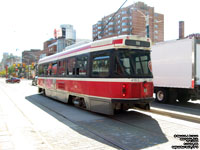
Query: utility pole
(146, 16)
(147, 25)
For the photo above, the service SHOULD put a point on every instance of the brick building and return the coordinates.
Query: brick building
(30, 56)
(49, 48)
(131, 20)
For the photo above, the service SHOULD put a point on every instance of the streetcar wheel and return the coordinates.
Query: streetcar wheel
(161, 96)
(43, 92)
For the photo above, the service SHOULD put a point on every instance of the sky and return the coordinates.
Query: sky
(26, 24)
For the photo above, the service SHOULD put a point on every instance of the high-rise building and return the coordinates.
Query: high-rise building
(67, 38)
(135, 19)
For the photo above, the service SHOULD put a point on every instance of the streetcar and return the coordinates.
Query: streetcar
(104, 76)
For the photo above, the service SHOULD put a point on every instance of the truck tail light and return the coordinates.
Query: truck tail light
(192, 83)
(124, 90)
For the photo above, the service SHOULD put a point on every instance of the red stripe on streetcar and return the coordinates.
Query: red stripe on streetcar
(101, 89)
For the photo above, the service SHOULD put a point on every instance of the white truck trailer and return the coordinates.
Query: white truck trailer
(176, 70)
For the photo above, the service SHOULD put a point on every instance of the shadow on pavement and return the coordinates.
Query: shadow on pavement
(129, 130)
(188, 108)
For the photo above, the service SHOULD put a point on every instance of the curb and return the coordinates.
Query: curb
(174, 114)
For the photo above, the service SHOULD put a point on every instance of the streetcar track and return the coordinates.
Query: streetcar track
(143, 130)
(122, 147)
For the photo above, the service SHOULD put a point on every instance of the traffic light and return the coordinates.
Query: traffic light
(24, 65)
(32, 64)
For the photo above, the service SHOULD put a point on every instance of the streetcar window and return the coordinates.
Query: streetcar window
(100, 65)
(45, 69)
(132, 63)
(50, 69)
(41, 70)
(142, 64)
(54, 69)
(61, 67)
(81, 68)
(71, 66)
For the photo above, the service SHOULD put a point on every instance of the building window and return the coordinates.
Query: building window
(99, 22)
(110, 33)
(155, 26)
(124, 18)
(124, 23)
(125, 29)
(124, 12)
(110, 29)
(111, 23)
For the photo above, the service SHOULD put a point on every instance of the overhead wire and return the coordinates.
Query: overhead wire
(102, 31)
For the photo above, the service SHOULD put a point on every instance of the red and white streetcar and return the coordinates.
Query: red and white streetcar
(101, 76)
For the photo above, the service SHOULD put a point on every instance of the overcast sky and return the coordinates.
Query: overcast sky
(26, 24)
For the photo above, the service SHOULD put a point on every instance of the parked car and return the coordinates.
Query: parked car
(34, 81)
(13, 80)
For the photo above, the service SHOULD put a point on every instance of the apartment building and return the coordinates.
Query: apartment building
(131, 20)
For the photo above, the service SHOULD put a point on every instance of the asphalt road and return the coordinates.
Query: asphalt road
(33, 121)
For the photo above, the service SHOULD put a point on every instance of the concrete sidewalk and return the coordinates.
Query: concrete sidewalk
(24, 126)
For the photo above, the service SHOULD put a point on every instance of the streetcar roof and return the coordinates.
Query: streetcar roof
(104, 44)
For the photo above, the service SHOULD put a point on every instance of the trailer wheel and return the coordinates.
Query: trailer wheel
(161, 96)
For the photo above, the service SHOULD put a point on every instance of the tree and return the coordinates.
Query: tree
(11, 70)
(3, 73)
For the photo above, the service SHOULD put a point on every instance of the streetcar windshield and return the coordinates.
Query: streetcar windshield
(132, 63)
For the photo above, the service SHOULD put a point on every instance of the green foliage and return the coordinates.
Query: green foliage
(3, 73)
(11, 69)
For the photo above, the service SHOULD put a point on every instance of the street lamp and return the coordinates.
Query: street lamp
(146, 16)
